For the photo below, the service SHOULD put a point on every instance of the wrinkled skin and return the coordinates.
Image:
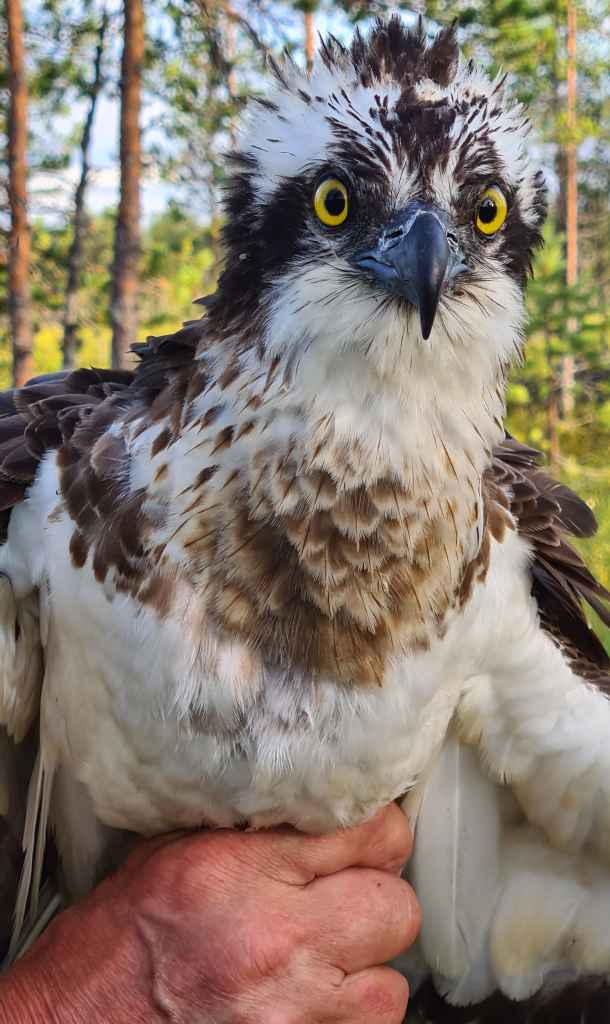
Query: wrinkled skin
(231, 928)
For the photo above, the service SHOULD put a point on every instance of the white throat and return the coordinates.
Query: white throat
(413, 413)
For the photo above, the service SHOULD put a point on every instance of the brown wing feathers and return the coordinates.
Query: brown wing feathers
(47, 411)
(162, 358)
(545, 511)
(40, 417)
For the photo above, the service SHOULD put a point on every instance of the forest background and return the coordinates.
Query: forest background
(115, 114)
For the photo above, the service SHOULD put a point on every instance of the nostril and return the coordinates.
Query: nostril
(396, 233)
(452, 237)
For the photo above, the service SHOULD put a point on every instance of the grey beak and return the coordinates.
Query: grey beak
(413, 259)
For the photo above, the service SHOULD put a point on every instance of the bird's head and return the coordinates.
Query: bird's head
(383, 206)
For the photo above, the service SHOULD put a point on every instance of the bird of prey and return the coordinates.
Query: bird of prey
(292, 567)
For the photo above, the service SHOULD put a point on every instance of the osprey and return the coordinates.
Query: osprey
(291, 568)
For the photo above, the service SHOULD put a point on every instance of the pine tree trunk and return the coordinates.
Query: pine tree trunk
(230, 40)
(310, 39)
(571, 154)
(75, 255)
(19, 302)
(557, 101)
(568, 362)
(124, 308)
(552, 414)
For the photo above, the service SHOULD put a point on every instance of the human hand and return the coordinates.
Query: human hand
(226, 927)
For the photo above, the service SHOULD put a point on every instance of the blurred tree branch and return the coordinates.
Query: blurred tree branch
(125, 270)
(75, 254)
(19, 304)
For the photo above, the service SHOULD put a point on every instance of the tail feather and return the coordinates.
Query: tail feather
(34, 844)
(50, 904)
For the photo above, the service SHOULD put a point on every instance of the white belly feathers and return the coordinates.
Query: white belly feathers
(167, 725)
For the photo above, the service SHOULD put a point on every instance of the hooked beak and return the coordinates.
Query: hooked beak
(413, 258)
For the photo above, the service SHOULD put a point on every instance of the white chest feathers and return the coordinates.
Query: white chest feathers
(166, 728)
(166, 724)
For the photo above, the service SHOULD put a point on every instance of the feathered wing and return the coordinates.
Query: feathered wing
(21, 667)
(512, 853)
(32, 420)
(546, 512)
(40, 417)
(16, 762)
(455, 871)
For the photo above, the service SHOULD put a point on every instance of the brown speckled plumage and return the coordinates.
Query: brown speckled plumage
(326, 577)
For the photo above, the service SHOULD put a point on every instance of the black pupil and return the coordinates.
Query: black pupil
(335, 202)
(487, 211)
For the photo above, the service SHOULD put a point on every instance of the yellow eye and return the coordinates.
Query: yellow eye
(330, 202)
(491, 211)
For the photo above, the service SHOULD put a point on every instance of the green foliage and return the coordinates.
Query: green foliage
(562, 321)
(60, 39)
(177, 266)
(596, 551)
